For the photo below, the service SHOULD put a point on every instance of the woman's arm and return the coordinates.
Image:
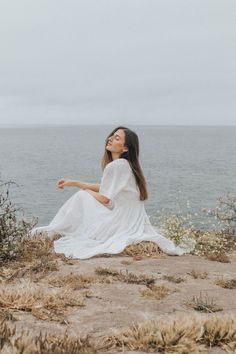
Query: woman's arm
(91, 188)
(101, 198)
(83, 185)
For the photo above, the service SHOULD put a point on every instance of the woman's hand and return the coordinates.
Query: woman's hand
(61, 183)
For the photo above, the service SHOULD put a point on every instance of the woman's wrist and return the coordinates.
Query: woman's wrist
(71, 183)
(75, 183)
(78, 184)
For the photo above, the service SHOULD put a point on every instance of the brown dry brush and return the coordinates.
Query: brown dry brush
(179, 334)
(11, 230)
(21, 253)
(204, 304)
(38, 253)
(35, 258)
(143, 249)
(173, 279)
(126, 277)
(226, 283)
(157, 292)
(196, 274)
(49, 304)
(73, 281)
(13, 342)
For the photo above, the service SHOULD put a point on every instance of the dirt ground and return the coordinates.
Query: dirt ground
(114, 304)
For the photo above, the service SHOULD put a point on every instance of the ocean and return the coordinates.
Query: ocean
(187, 168)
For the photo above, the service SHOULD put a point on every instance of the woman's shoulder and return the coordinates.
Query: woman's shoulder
(117, 163)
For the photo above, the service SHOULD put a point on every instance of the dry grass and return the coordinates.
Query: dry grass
(156, 292)
(204, 304)
(33, 270)
(73, 281)
(12, 342)
(173, 279)
(178, 335)
(36, 247)
(47, 305)
(220, 331)
(218, 257)
(103, 271)
(126, 262)
(35, 258)
(227, 284)
(198, 275)
(126, 277)
(6, 314)
(181, 334)
(143, 249)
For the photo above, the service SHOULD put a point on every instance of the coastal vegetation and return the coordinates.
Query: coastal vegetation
(44, 295)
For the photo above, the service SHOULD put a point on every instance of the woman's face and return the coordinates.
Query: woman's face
(116, 142)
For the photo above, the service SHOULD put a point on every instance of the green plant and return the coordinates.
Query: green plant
(12, 230)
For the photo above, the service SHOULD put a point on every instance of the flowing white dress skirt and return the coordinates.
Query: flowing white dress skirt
(89, 228)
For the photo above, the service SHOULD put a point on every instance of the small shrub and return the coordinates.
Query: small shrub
(156, 292)
(205, 304)
(214, 245)
(225, 212)
(179, 229)
(141, 250)
(126, 277)
(198, 275)
(227, 284)
(73, 281)
(173, 278)
(46, 305)
(12, 230)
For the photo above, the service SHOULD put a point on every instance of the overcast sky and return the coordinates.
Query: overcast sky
(167, 62)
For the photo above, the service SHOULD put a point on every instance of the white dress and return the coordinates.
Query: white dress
(89, 228)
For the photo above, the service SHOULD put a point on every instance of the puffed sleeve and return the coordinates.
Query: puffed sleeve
(115, 178)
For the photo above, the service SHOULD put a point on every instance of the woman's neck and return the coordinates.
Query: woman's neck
(115, 156)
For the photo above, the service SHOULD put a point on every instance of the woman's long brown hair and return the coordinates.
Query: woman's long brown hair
(132, 156)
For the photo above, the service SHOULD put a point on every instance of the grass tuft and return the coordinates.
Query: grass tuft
(157, 292)
(73, 281)
(198, 275)
(173, 279)
(204, 304)
(227, 284)
(126, 277)
(177, 335)
(50, 305)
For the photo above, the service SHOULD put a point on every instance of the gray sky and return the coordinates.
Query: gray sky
(118, 62)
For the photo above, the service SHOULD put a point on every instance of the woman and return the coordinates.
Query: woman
(107, 217)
